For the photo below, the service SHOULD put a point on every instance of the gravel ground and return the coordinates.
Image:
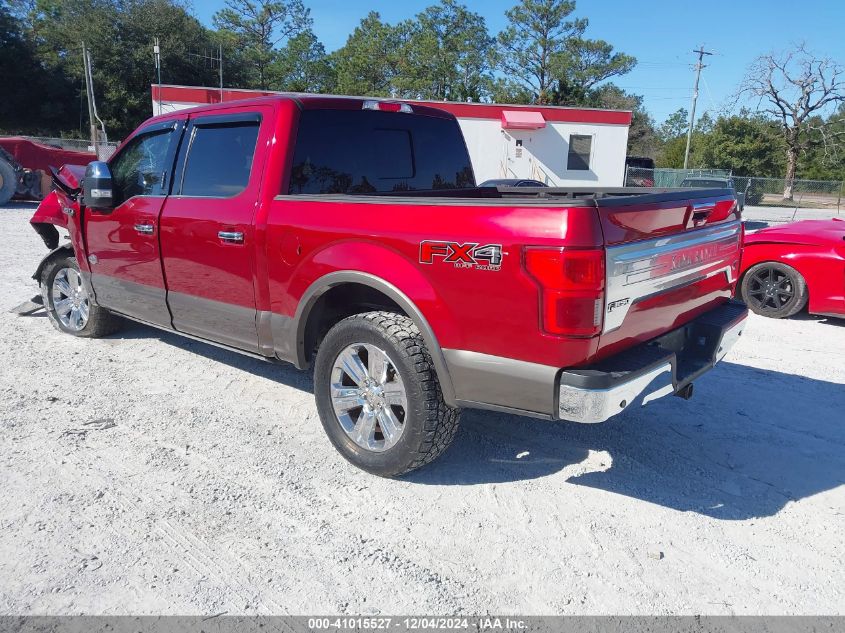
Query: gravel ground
(149, 474)
(780, 215)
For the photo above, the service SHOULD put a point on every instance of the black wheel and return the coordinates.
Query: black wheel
(378, 395)
(774, 290)
(8, 181)
(68, 303)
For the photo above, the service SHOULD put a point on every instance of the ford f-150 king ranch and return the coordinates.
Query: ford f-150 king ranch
(348, 235)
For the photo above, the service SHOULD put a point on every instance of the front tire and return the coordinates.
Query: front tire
(774, 290)
(68, 303)
(378, 395)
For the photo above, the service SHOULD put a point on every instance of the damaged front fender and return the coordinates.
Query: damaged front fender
(58, 206)
(50, 214)
(60, 251)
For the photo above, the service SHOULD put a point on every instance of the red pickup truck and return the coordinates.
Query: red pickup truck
(348, 235)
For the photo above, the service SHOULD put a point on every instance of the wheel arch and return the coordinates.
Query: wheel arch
(795, 257)
(60, 251)
(308, 312)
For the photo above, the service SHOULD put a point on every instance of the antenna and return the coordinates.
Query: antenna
(213, 59)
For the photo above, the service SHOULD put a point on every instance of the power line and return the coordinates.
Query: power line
(701, 53)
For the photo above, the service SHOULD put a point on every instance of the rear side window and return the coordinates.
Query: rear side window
(366, 151)
(580, 146)
(219, 160)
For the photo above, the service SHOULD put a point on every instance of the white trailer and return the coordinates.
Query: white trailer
(559, 146)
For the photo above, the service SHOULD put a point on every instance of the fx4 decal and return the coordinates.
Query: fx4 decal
(621, 303)
(469, 255)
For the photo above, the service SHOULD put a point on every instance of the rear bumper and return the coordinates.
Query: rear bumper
(660, 367)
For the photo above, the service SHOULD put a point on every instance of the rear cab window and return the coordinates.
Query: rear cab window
(367, 151)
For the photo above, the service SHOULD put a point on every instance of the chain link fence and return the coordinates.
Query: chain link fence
(811, 194)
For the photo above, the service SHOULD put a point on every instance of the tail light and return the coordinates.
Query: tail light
(571, 285)
(737, 264)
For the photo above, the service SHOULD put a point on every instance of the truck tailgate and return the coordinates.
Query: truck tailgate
(669, 259)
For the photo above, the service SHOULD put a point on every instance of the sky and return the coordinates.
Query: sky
(661, 35)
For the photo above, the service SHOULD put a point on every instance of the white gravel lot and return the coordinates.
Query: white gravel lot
(149, 474)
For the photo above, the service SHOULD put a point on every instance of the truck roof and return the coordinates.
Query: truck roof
(308, 102)
(207, 94)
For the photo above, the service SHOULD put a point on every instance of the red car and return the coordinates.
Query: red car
(787, 267)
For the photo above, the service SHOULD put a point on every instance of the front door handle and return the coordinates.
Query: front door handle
(231, 237)
(146, 229)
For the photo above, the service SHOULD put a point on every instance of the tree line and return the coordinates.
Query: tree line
(544, 55)
(444, 52)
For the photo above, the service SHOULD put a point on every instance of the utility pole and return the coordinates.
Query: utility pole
(89, 93)
(701, 53)
(157, 56)
(220, 58)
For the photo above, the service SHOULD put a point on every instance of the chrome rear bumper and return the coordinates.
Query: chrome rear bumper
(652, 370)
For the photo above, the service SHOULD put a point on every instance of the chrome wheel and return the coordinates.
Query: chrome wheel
(70, 299)
(368, 397)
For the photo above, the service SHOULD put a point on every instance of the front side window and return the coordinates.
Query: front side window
(140, 166)
(580, 146)
(219, 160)
(366, 151)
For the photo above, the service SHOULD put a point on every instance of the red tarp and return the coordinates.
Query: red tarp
(33, 155)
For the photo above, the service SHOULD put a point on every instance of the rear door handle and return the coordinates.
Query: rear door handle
(146, 229)
(231, 237)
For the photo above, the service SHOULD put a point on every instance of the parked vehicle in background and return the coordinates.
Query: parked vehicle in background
(512, 182)
(788, 267)
(709, 182)
(639, 171)
(349, 235)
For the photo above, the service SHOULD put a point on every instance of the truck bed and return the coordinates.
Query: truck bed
(543, 196)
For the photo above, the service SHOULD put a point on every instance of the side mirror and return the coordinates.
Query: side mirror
(97, 187)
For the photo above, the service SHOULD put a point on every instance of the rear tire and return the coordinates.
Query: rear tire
(775, 290)
(68, 303)
(8, 181)
(378, 395)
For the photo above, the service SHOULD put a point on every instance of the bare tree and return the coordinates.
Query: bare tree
(795, 87)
